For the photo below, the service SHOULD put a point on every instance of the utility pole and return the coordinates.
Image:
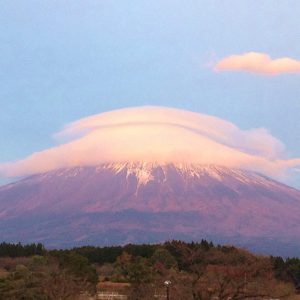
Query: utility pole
(167, 284)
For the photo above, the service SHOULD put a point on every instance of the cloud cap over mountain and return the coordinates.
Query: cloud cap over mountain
(158, 134)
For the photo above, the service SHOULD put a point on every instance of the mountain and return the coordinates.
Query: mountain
(127, 202)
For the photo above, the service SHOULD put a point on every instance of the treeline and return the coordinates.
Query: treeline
(197, 270)
(287, 270)
(19, 250)
(42, 276)
(110, 254)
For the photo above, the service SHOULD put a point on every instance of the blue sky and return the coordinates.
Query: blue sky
(64, 60)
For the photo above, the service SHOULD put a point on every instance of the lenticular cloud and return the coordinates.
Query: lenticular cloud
(161, 135)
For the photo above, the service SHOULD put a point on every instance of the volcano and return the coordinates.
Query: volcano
(142, 202)
(150, 174)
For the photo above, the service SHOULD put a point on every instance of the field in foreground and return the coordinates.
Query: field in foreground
(199, 271)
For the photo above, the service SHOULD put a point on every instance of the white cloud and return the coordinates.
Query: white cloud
(160, 135)
(258, 63)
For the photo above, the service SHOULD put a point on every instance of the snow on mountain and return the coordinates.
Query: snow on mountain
(147, 202)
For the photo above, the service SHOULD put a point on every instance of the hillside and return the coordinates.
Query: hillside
(196, 270)
(120, 203)
(141, 186)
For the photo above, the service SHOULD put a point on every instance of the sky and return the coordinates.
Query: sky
(62, 61)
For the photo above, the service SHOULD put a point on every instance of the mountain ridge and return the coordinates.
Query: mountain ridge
(140, 199)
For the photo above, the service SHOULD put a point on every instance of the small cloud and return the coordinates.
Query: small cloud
(259, 63)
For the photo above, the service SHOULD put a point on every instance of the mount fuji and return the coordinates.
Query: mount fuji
(126, 202)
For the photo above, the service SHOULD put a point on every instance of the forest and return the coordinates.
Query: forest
(196, 270)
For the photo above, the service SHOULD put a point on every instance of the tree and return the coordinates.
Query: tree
(49, 278)
(22, 284)
(162, 257)
(139, 273)
(79, 267)
(254, 280)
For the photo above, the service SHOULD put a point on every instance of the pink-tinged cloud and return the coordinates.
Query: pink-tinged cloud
(158, 134)
(258, 63)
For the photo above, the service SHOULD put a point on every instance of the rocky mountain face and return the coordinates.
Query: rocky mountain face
(127, 202)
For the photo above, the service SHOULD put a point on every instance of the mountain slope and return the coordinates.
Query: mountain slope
(148, 202)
